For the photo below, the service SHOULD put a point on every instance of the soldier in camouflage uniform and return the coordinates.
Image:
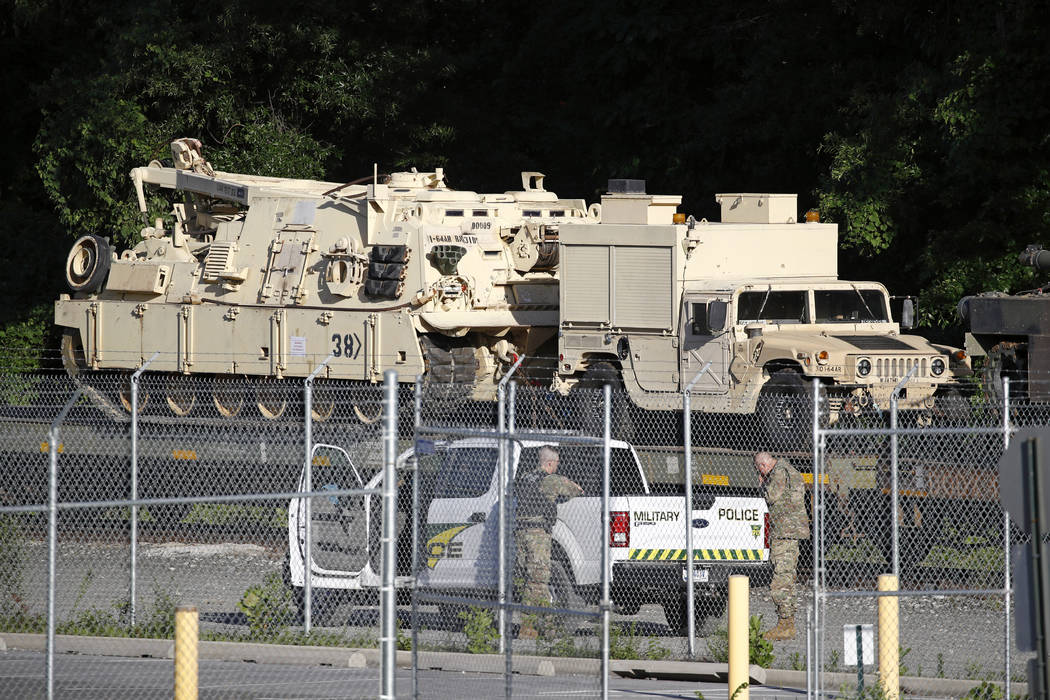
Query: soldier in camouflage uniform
(539, 491)
(785, 493)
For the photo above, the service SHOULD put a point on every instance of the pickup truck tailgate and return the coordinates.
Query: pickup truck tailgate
(732, 528)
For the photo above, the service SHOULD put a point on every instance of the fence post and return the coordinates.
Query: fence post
(388, 613)
(809, 653)
(894, 474)
(52, 536)
(687, 438)
(308, 407)
(889, 638)
(1006, 546)
(187, 633)
(133, 584)
(816, 533)
(738, 623)
(417, 421)
(606, 563)
(503, 622)
(505, 498)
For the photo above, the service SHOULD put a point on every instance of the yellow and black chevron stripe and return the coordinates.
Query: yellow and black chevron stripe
(698, 555)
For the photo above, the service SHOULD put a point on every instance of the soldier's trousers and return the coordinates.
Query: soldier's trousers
(532, 566)
(784, 554)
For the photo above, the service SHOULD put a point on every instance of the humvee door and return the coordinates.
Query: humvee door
(705, 339)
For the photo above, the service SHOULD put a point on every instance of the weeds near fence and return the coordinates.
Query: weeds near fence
(902, 652)
(872, 692)
(991, 691)
(626, 643)
(480, 629)
(12, 559)
(760, 651)
(268, 607)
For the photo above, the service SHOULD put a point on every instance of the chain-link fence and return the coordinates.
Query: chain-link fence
(913, 495)
(179, 489)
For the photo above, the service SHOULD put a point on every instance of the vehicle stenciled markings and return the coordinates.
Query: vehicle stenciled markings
(347, 345)
(698, 554)
(441, 546)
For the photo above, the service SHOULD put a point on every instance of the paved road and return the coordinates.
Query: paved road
(90, 677)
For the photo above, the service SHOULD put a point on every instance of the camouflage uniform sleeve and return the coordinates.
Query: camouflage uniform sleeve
(559, 488)
(776, 487)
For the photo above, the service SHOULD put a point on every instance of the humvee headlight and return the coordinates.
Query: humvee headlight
(937, 367)
(863, 367)
(822, 357)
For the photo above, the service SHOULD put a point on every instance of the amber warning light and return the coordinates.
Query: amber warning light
(813, 216)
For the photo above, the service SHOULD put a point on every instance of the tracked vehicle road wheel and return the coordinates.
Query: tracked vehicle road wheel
(368, 413)
(228, 397)
(323, 404)
(181, 395)
(271, 398)
(88, 264)
(124, 395)
(76, 366)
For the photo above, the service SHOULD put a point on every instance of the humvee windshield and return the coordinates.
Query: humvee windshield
(779, 307)
(849, 306)
(829, 306)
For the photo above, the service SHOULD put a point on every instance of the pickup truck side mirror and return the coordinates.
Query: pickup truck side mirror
(717, 311)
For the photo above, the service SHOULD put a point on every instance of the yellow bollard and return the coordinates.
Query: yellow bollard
(186, 637)
(739, 619)
(889, 639)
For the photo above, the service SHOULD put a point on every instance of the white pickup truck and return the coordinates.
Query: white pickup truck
(459, 538)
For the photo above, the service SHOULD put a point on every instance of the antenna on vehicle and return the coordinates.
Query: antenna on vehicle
(375, 173)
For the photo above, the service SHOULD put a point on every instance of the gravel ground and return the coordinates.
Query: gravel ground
(953, 637)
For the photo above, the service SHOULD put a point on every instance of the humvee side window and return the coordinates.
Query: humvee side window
(708, 318)
(781, 307)
(849, 305)
(466, 472)
(699, 323)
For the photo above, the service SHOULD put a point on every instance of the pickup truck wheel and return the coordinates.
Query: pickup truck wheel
(785, 412)
(628, 605)
(563, 592)
(448, 615)
(704, 608)
(324, 604)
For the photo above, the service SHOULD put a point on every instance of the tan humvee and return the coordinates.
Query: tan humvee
(267, 277)
(655, 297)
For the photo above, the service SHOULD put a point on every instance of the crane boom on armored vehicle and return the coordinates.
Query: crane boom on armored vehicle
(265, 277)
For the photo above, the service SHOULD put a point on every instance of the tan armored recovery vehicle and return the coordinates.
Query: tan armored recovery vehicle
(650, 297)
(266, 277)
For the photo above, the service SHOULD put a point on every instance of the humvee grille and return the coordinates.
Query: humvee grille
(874, 342)
(897, 367)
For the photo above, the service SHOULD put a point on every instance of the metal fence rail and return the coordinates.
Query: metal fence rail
(264, 503)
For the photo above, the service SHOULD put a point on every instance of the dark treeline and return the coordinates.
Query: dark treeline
(923, 129)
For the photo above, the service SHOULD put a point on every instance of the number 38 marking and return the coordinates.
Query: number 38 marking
(347, 345)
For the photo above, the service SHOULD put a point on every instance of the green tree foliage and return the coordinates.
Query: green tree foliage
(920, 129)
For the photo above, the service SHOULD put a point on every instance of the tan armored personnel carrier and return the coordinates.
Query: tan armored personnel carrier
(651, 297)
(266, 277)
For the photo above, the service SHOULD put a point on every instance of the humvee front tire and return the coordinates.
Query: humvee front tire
(785, 412)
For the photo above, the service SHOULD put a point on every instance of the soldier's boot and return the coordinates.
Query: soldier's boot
(785, 629)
